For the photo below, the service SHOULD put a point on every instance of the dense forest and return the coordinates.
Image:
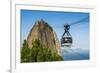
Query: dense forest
(38, 53)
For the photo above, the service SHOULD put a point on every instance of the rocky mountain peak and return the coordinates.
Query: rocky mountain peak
(44, 32)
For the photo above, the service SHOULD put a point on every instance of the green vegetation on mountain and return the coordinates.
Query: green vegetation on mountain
(38, 53)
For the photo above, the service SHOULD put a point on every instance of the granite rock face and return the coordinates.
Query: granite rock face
(44, 32)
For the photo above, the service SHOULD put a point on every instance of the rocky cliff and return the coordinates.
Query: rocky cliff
(44, 32)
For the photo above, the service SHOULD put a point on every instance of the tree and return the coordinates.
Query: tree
(25, 52)
(41, 53)
(38, 53)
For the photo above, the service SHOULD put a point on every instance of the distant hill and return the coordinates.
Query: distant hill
(42, 31)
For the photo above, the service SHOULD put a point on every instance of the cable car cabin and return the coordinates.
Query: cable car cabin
(66, 41)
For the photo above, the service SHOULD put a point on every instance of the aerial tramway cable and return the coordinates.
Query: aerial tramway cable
(66, 39)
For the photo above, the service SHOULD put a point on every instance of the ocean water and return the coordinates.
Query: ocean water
(69, 54)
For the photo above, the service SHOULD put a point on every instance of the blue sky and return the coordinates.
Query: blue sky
(79, 32)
